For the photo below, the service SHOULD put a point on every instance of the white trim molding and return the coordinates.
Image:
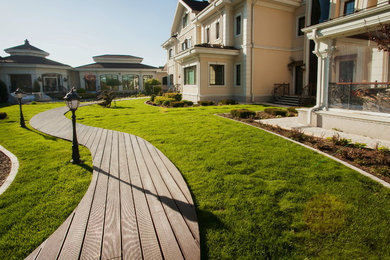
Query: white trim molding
(14, 169)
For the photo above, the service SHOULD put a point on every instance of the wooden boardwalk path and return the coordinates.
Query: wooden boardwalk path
(137, 206)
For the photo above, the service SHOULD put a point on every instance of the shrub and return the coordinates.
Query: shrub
(167, 103)
(152, 97)
(151, 87)
(276, 112)
(297, 135)
(227, 102)
(3, 115)
(188, 103)
(81, 90)
(36, 86)
(292, 110)
(175, 96)
(160, 100)
(3, 92)
(242, 113)
(206, 103)
(33, 102)
(177, 104)
(88, 96)
(337, 140)
(107, 96)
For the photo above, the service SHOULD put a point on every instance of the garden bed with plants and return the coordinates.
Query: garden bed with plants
(375, 161)
(5, 167)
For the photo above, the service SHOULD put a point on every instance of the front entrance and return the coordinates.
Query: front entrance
(51, 82)
(22, 81)
(298, 80)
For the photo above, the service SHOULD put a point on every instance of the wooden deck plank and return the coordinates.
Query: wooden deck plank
(111, 246)
(93, 238)
(137, 206)
(183, 234)
(166, 237)
(186, 208)
(131, 247)
(75, 238)
(149, 242)
(54, 243)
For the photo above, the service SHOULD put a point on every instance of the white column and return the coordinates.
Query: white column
(228, 26)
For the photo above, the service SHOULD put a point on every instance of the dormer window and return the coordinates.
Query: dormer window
(185, 20)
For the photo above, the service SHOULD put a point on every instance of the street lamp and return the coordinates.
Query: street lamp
(19, 95)
(72, 100)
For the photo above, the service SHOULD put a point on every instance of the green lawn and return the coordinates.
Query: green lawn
(257, 195)
(46, 189)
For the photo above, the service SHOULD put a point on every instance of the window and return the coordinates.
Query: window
(238, 25)
(238, 74)
(217, 30)
(185, 20)
(346, 71)
(184, 45)
(217, 74)
(207, 35)
(170, 53)
(349, 7)
(107, 77)
(301, 25)
(130, 82)
(189, 43)
(190, 75)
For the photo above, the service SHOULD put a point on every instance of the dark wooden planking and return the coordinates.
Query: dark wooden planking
(53, 245)
(187, 209)
(166, 237)
(111, 246)
(93, 238)
(176, 175)
(131, 247)
(75, 238)
(189, 247)
(149, 242)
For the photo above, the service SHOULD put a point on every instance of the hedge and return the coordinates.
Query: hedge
(242, 113)
(175, 96)
(206, 103)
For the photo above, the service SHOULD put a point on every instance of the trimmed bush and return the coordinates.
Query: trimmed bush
(228, 102)
(3, 115)
(242, 113)
(81, 91)
(160, 100)
(167, 103)
(175, 96)
(188, 103)
(152, 97)
(36, 86)
(152, 87)
(3, 92)
(177, 104)
(205, 103)
(276, 112)
(292, 110)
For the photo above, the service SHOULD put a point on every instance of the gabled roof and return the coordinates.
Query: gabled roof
(116, 66)
(33, 60)
(196, 5)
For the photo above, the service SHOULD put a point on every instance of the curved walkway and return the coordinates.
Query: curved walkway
(137, 206)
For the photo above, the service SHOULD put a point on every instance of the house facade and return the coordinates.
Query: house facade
(238, 49)
(28, 68)
(352, 47)
(126, 68)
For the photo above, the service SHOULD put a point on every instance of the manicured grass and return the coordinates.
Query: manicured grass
(259, 196)
(46, 189)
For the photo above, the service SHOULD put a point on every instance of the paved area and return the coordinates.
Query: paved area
(137, 206)
(292, 123)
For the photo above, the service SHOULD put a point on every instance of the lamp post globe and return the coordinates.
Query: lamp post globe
(72, 100)
(19, 95)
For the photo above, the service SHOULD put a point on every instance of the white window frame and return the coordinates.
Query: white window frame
(235, 75)
(207, 36)
(235, 25)
(224, 74)
(297, 26)
(218, 32)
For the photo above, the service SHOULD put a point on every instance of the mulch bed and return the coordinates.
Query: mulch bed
(5, 167)
(375, 161)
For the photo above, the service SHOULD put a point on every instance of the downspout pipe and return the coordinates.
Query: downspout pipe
(252, 47)
(319, 79)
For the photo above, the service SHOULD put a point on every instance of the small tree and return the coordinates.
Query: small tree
(113, 83)
(151, 86)
(3, 92)
(107, 96)
(36, 86)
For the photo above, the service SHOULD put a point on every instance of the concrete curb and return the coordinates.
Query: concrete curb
(369, 175)
(14, 169)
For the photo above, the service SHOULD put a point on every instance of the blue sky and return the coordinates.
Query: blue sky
(73, 31)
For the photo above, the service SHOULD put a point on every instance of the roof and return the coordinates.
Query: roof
(116, 56)
(102, 65)
(23, 59)
(196, 5)
(25, 46)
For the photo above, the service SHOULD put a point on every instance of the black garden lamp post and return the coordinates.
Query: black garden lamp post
(19, 95)
(72, 100)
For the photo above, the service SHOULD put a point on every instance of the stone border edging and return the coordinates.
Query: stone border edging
(369, 175)
(14, 169)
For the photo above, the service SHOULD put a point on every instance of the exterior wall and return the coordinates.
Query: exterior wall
(35, 73)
